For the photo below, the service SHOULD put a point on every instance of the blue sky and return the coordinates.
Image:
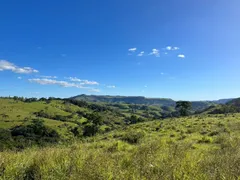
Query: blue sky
(174, 49)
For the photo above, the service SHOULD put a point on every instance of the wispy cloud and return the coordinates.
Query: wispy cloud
(66, 84)
(141, 53)
(19, 77)
(8, 66)
(49, 77)
(132, 49)
(181, 56)
(46, 81)
(170, 48)
(155, 52)
(111, 86)
(83, 82)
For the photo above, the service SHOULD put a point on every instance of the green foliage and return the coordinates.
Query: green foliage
(133, 119)
(77, 131)
(6, 140)
(206, 139)
(224, 109)
(183, 107)
(132, 136)
(90, 129)
(23, 136)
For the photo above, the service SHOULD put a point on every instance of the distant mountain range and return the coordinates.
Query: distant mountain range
(197, 105)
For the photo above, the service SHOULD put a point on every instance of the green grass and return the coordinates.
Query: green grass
(19, 113)
(202, 147)
(151, 158)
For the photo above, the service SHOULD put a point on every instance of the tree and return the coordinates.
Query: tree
(183, 107)
(133, 119)
(95, 118)
(93, 124)
(90, 129)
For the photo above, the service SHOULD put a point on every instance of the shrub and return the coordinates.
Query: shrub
(205, 139)
(77, 131)
(213, 133)
(90, 129)
(6, 141)
(133, 137)
(34, 133)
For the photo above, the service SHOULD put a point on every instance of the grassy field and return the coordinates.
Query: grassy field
(195, 147)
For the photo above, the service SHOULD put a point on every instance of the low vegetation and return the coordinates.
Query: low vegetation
(99, 141)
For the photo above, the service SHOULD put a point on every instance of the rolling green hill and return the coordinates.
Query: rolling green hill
(232, 106)
(126, 99)
(196, 105)
(234, 102)
(195, 147)
(73, 139)
(65, 118)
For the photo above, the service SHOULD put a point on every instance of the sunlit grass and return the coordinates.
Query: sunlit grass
(200, 147)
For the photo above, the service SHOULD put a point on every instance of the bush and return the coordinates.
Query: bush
(90, 129)
(77, 131)
(205, 139)
(213, 133)
(133, 137)
(34, 133)
(6, 141)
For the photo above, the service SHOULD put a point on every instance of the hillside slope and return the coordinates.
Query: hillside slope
(126, 99)
(196, 105)
(232, 106)
(25, 122)
(196, 147)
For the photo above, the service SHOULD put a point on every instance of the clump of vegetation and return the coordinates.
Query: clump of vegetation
(24, 136)
(206, 139)
(133, 137)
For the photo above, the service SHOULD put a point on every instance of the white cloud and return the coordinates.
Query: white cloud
(145, 86)
(155, 52)
(111, 86)
(74, 79)
(141, 53)
(132, 49)
(7, 66)
(19, 77)
(83, 82)
(89, 82)
(45, 81)
(170, 48)
(53, 82)
(181, 56)
(49, 77)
